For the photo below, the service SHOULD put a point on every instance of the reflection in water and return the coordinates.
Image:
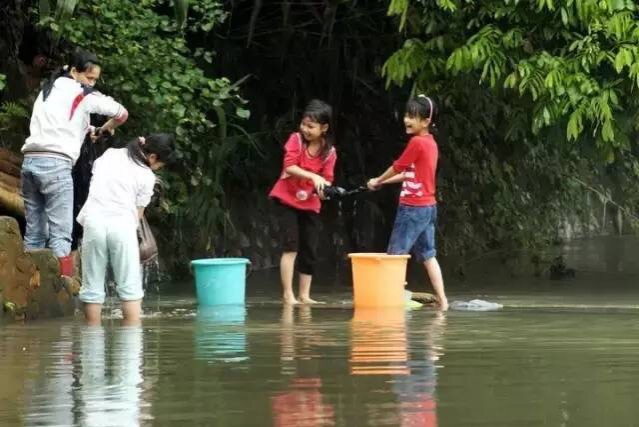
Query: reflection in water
(378, 342)
(52, 402)
(108, 390)
(509, 368)
(220, 333)
(614, 254)
(302, 404)
(93, 382)
(416, 392)
(380, 347)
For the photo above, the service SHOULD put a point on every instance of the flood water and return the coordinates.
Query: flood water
(560, 353)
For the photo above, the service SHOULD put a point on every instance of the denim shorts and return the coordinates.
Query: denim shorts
(414, 231)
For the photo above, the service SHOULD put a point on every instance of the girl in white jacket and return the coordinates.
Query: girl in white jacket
(59, 123)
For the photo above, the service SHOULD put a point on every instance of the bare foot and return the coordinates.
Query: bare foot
(290, 301)
(443, 305)
(310, 301)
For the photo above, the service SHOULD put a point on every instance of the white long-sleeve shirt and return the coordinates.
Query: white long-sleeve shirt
(59, 124)
(118, 187)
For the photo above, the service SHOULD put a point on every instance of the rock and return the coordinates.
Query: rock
(30, 283)
(423, 297)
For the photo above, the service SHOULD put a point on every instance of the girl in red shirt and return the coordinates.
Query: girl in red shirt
(309, 163)
(414, 228)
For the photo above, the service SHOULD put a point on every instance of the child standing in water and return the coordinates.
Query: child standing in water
(309, 163)
(121, 187)
(414, 227)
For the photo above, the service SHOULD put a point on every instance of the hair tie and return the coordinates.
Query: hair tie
(141, 140)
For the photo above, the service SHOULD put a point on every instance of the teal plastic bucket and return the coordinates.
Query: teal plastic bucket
(220, 280)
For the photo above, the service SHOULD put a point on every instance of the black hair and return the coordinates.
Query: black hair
(422, 107)
(160, 144)
(81, 60)
(322, 113)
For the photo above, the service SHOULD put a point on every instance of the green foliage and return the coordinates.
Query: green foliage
(63, 11)
(535, 96)
(572, 59)
(3, 81)
(148, 66)
(13, 125)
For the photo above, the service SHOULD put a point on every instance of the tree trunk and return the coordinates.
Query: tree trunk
(10, 199)
(10, 157)
(9, 181)
(9, 168)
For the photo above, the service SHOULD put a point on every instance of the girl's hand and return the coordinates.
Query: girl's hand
(101, 131)
(373, 184)
(92, 134)
(319, 183)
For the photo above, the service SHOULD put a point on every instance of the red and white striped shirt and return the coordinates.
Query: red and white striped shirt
(418, 163)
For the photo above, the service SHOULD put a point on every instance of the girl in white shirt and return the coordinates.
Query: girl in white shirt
(121, 187)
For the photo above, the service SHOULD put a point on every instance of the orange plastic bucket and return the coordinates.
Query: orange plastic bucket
(378, 279)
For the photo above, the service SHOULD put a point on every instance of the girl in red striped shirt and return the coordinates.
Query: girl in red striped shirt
(414, 228)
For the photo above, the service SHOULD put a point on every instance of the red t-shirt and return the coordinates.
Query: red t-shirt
(297, 192)
(418, 162)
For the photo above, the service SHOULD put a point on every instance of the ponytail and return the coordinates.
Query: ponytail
(160, 144)
(48, 85)
(81, 60)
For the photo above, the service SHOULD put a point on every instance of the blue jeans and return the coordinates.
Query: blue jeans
(414, 229)
(47, 190)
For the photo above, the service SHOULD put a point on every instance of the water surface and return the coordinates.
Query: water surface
(559, 354)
